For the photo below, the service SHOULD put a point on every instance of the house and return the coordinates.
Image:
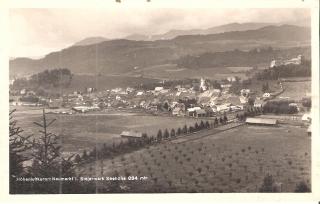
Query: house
(140, 93)
(245, 92)
(266, 95)
(192, 111)
(54, 104)
(226, 86)
(131, 135)
(258, 103)
(309, 130)
(232, 79)
(209, 111)
(306, 117)
(178, 110)
(261, 121)
(203, 86)
(23, 91)
(200, 113)
(223, 107)
(159, 88)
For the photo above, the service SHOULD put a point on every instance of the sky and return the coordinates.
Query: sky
(37, 32)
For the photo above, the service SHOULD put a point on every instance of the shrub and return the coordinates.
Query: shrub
(302, 187)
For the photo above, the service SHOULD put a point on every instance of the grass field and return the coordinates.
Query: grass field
(84, 131)
(236, 160)
(296, 90)
(171, 71)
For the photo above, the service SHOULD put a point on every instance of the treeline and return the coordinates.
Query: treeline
(239, 58)
(290, 70)
(127, 146)
(46, 79)
(280, 107)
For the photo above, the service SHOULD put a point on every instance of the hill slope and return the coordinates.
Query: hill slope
(121, 56)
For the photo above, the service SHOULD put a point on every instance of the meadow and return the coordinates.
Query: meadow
(296, 90)
(236, 160)
(85, 131)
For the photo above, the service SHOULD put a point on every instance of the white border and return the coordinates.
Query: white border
(161, 198)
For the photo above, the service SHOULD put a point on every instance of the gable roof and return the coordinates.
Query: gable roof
(131, 133)
(266, 121)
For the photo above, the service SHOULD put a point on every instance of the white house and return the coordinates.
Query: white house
(266, 95)
(158, 88)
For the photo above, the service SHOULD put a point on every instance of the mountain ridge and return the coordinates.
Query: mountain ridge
(122, 55)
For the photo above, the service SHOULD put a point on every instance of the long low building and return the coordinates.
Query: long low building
(131, 135)
(261, 121)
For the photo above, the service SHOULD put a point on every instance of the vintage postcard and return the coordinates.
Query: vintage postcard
(162, 98)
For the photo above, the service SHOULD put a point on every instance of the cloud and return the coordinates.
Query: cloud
(36, 32)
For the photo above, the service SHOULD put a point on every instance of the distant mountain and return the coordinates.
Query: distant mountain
(90, 41)
(121, 56)
(213, 30)
(137, 37)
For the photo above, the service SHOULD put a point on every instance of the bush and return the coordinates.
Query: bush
(302, 187)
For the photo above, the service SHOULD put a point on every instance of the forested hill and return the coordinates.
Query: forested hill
(122, 56)
(240, 58)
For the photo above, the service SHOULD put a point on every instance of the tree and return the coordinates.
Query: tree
(196, 126)
(225, 119)
(302, 187)
(47, 159)
(18, 144)
(207, 125)
(202, 126)
(172, 133)
(159, 136)
(267, 185)
(77, 159)
(84, 154)
(185, 129)
(166, 134)
(216, 122)
(179, 131)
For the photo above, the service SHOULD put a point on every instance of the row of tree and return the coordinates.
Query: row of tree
(127, 146)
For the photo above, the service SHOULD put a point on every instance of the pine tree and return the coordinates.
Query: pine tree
(48, 161)
(18, 144)
(173, 133)
(267, 185)
(166, 133)
(159, 136)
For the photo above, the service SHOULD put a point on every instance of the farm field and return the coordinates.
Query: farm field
(296, 90)
(85, 131)
(235, 160)
(171, 71)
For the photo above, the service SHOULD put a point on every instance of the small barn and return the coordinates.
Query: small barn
(261, 121)
(309, 130)
(131, 135)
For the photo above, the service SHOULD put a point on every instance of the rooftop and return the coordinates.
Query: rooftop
(131, 133)
(266, 121)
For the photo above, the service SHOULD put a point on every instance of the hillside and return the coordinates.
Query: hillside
(121, 56)
(240, 58)
(213, 30)
(90, 41)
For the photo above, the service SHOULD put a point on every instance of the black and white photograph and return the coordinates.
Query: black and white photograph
(160, 100)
